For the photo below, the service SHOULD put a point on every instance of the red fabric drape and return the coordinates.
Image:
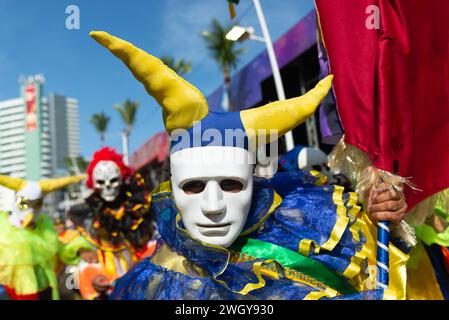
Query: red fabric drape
(392, 85)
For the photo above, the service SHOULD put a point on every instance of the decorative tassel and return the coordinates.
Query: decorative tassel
(372, 176)
(356, 165)
(406, 232)
(349, 160)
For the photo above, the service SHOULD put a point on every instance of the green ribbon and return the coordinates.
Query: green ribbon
(293, 260)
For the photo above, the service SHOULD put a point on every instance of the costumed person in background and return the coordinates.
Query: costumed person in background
(428, 267)
(65, 273)
(226, 234)
(114, 224)
(313, 160)
(29, 247)
(304, 158)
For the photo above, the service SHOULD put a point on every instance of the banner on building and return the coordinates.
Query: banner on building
(31, 100)
(156, 148)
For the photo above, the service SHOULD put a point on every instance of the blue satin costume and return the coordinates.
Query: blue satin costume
(295, 226)
(310, 218)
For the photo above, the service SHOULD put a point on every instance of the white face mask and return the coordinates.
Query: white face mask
(27, 205)
(107, 180)
(213, 197)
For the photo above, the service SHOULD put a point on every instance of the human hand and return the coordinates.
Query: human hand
(386, 204)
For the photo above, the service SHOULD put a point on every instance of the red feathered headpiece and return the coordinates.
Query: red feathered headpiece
(107, 154)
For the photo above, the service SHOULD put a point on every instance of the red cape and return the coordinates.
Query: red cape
(392, 85)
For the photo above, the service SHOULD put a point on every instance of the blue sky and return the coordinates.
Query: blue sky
(34, 39)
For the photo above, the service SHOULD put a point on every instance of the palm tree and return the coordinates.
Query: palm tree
(128, 113)
(181, 66)
(224, 52)
(76, 165)
(100, 121)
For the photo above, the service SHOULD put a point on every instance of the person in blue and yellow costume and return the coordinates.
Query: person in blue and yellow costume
(113, 225)
(29, 246)
(226, 234)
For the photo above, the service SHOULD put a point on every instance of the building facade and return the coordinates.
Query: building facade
(298, 59)
(38, 134)
(151, 160)
(64, 130)
(12, 138)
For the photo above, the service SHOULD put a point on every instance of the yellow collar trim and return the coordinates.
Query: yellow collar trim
(342, 220)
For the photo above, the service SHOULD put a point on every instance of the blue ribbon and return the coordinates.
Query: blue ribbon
(383, 240)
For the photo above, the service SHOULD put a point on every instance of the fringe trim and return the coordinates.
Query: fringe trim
(356, 165)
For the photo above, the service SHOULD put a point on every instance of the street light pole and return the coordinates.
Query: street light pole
(125, 147)
(290, 144)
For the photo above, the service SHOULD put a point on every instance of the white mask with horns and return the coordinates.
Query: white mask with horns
(212, 154)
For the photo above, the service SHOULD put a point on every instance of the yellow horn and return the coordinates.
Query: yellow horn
(283, 116)
(15, 184)
(183, 105)
(50, 185)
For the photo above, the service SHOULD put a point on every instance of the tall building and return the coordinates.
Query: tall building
(24, 153)
(12, 138)
(38, 134)
(64, 131)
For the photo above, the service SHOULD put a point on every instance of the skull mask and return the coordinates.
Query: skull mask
(107, 180)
